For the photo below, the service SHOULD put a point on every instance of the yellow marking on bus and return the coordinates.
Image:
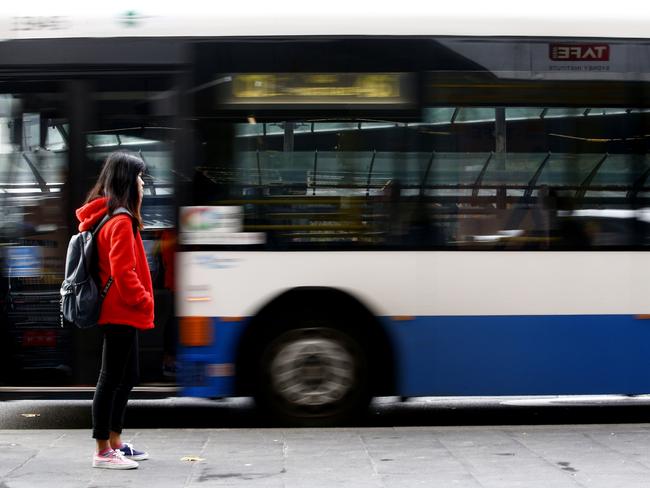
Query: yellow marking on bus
(232, 319)
(403, 318)
(198, 299)
(195, 331)
(643, 316)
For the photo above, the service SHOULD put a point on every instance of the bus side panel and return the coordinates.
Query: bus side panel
(522, 355)
(209, 371)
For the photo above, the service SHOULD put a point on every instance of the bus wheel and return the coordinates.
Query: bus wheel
(313, 376)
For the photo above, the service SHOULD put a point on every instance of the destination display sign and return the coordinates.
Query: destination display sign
(316, 88)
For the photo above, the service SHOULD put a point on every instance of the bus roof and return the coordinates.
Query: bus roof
(31, 19)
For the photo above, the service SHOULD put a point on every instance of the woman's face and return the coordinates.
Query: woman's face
(140, 188)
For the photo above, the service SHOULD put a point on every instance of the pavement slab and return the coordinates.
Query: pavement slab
(378, 457)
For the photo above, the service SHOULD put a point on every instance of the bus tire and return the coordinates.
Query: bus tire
(313, 375)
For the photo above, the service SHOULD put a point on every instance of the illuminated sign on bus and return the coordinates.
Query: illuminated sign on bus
(319, 88)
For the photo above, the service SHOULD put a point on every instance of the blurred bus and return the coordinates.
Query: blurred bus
(440, 206)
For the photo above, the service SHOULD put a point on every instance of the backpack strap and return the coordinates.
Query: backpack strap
(104, 291)
(100, 225)
(107, 217)
(122, 210)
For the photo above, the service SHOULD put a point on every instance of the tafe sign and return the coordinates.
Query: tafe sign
(579, 52)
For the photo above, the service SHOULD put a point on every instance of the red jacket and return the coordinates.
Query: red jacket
(120, 254)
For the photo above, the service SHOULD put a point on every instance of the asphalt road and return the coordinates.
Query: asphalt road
(384, 412)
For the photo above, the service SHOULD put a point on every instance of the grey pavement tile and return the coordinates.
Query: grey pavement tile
(341, 479)
(12, 459)
(495, 460)
(581, 453)
(486, 457)
(238, 479)
(27, 483)
(433, 481)
(333, 483)
(615, 481)
(630, 445)
(431, 469)
(254, 469)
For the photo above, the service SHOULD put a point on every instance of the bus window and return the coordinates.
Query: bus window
(33, 239)
(439, 183)
(566, 180)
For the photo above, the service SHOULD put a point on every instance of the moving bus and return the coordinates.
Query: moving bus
(443, 205)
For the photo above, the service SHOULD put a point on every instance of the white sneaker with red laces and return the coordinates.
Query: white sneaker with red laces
(113, 459)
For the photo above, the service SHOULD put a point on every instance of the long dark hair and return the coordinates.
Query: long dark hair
(118, 182)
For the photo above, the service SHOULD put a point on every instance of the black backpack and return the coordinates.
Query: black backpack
(81, 299)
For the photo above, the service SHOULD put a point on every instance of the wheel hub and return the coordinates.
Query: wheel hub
(314, 370)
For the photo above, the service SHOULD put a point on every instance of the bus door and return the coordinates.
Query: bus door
(35, 132)
(136, 113)
(54, 137)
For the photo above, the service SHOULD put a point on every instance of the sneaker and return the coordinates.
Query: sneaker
(129, 452)
(113, 459)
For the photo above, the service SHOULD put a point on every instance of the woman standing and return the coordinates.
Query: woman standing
(128, 305)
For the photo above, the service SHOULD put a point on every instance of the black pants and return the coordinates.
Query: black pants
(119, 374)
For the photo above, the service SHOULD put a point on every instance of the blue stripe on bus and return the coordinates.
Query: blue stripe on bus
(479, 355)
(522, 355)
(199, 366)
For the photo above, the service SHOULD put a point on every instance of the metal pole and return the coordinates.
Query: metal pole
(426, 173)
(315, 171)
(372, 163)
(500, 130)
(288, 136)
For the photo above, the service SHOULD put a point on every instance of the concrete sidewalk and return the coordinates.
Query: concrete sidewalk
(513, 456)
